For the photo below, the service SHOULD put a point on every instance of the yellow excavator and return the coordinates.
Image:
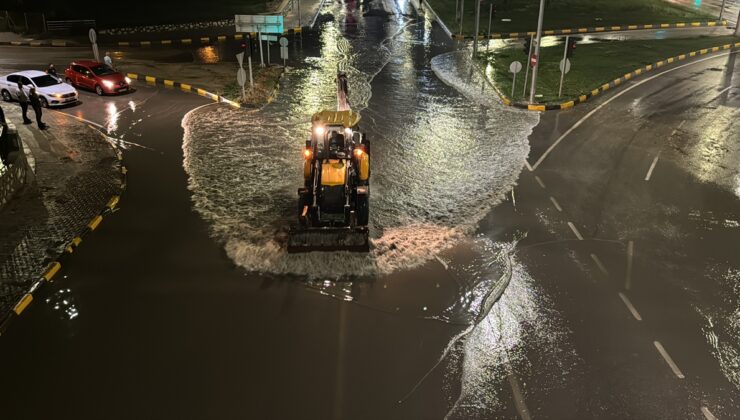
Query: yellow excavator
(334, 203)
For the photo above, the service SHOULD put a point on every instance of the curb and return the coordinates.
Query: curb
(612, 84)
(51, 270)
(597, 29)
(38, 44)
(205, 40)
(182, 86)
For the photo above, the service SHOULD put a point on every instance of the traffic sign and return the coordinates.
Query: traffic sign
(268, 38)
(515, 67)
(240, 59)
(283, 41)
(241, 77)
(93, 35)
(565, 65)
(272, 24)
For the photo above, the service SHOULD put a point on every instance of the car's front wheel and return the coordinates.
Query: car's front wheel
(6, 96)
(99, 90)
(44, 102)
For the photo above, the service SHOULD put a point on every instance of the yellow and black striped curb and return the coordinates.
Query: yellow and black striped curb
(53, 268)
(205, 40)
(152, 80)
(597, 29)
(614, 83)
(38, 43)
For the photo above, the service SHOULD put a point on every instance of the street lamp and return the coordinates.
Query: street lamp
(537, 51)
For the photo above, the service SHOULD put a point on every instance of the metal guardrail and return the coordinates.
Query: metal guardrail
(14, 176)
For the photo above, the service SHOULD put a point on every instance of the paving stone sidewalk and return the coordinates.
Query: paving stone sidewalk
(75, 173)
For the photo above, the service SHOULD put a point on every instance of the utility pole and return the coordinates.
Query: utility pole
(462, 11)
(537, 51)
(490, 15)
(477, 22)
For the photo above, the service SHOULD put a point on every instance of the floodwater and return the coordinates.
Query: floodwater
(439, 161)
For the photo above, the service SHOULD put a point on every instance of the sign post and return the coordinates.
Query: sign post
(93, 40)
(241, 75)
(284, 49)
(271, 24)
(515, 68)
(526, 72)
(564, 66)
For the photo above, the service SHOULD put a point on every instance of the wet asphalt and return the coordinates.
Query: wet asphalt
(168, 327)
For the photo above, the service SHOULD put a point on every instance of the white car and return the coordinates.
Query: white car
(52, 91)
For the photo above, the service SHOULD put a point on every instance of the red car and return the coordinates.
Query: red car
(94, 75)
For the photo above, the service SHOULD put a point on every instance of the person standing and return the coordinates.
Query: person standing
(23, 100)
(33, 97)
(52, 71)
(108, 60)
(4, 140)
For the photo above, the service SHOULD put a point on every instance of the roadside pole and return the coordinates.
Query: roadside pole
(462, 11)
(737, 25)
(537, 52)
(477, 23)
(514, 68)
(721, 10)
(526, 73)
(259, 39)
(299, 13)
(563, 66)
(490, 15)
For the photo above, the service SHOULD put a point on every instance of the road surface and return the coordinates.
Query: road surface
(635, 320)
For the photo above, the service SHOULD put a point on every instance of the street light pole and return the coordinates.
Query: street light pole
(477, 23)
(537, 51)
(490, 15)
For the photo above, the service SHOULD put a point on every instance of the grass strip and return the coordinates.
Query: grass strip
(565, 14)
(592, 65)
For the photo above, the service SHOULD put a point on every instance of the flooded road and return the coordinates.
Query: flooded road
(440, 161)
(491, 291)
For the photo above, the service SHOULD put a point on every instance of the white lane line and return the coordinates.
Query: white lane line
(513, 198)
(555, 203)
(521, 407)
(668, 360)
(631, 307)
(652, 166)
(526, 162)
(630, 254)
(539, 181)
(607, 102)
(444, 264)
(600, 265)
(708, 414)
(725, 90)
(575, 231)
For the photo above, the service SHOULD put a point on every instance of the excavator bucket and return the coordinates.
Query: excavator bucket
(308, 239)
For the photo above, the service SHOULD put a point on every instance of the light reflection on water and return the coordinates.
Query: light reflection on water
(439, 161)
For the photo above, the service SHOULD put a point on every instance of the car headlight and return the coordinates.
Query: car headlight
(108, 84)
(128, 80)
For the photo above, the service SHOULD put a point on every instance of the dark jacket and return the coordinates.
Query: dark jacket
(33, 98)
